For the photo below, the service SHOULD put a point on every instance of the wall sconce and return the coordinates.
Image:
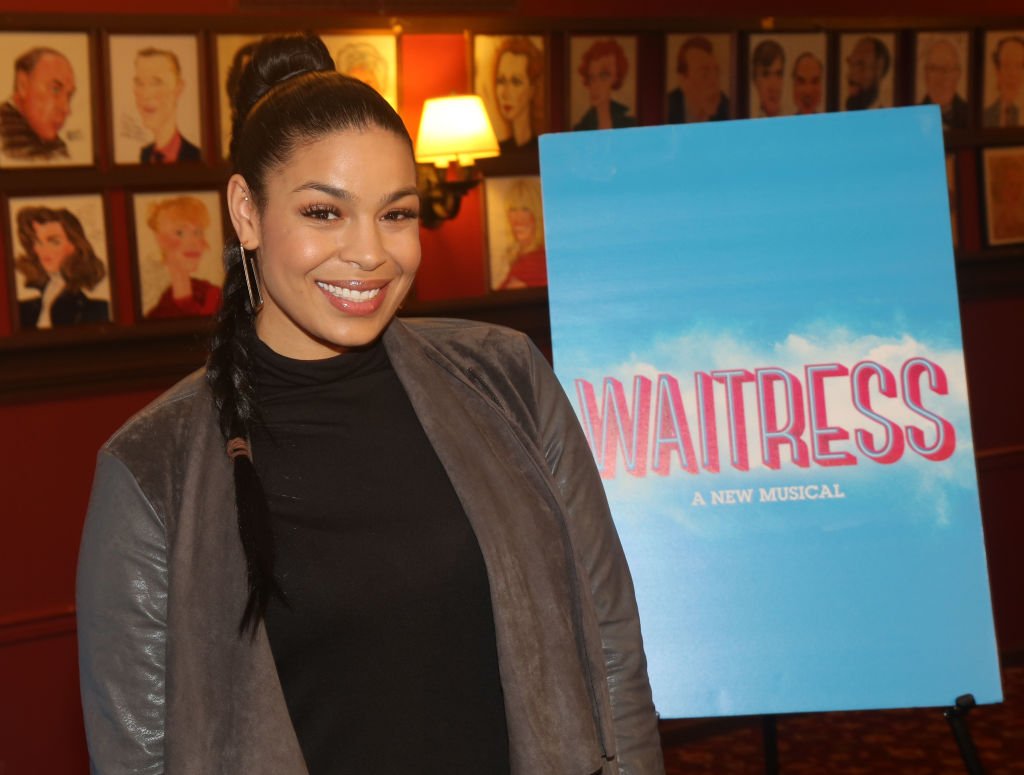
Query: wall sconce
(454, 133)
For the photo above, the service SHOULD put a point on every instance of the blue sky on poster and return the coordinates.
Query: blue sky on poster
(779, 243)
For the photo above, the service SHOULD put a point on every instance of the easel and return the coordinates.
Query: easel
(956, 716)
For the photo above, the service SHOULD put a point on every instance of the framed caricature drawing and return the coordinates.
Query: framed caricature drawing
(47, 117)
(867, 64)
(232, 54)
(58, 256)
(177, 238)
(788, 74)
(1003, 95)
(510, 76)
(371, 58)
(699, 78)
(515, 233)
(1004, 195)
(943, 74)
(155, 116)
(602, 81)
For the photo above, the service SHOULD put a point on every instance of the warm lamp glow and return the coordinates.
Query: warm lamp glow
(455, 129)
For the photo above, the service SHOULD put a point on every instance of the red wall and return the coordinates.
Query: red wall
(48, 448)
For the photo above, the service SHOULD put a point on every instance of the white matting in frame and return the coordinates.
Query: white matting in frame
(70, 238)
(788, 74)
(47, 119)
(602, 81)
(178, 231)
(149, 99)
(232, 51)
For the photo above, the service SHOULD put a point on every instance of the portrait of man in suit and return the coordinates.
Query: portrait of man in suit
(1007, 109)
(31, 120)
(942, 72)
(768, 63)
(866, 66)
(698, 95)
(808, 84)
(157, 86)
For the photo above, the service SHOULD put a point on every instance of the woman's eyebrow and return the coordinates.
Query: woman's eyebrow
(325, 188)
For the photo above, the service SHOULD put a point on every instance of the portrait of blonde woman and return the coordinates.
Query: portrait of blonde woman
(177, 240)
(510, 79)
(515, 220)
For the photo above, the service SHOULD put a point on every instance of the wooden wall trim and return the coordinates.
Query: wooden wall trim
(37, 625)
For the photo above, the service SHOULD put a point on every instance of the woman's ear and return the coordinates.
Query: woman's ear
(243, 212)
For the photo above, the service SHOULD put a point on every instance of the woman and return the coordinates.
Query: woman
(526, 259)
(306, 559)
(60, 263)
(519, 92)
(603, 69)
(179, 225)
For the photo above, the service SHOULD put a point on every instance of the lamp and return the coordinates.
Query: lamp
(454, 132)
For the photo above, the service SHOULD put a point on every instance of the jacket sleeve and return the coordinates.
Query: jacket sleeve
(122, 603)
(637, 742)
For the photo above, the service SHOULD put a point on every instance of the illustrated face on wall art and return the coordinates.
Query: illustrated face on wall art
(602, 78)
(155, 99)
(1003, 96)
(788, 74)
(943, 74)
(233, 54)
(699, 77)
(510, 76)
(46, 119)
(515, 233)
(178, 236)
(58, 255)
(866, 70)
(372, 59)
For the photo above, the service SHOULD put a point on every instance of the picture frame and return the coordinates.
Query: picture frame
(230, 55)
(954, 208)
(58, 261)
(516, 257)
(788, 74)
(943, 73)
(700, 77)
(602, 81)
(49, 119)
(868, 74)
(371, 57)
(1002, 97)
(511, 76)
(155, 98)
(177, 238)
(1004, 195)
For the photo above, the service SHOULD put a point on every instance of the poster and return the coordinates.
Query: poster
(757, 323)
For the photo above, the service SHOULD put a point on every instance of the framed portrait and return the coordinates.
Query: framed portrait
(515, 233)
(155, 98)
(788, 74)
(510, 74)
(1002, 97)
(371, 58)
(602, 81)
(942, 74)
(177, 237)
(700, 77)
(232, 53)
(951, 187)
(58, 258)
(867, 70)
(47, 120)
(1004, 195)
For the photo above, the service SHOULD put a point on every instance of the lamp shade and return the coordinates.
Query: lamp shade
(455, 129)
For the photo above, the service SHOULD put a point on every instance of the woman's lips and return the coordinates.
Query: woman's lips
(354, 297)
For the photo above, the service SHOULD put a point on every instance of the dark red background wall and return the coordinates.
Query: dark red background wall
(47, 448)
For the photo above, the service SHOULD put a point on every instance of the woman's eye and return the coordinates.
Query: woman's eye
(401, 214)
(321, 212)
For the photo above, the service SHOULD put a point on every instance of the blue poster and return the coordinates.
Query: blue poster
(757, 324)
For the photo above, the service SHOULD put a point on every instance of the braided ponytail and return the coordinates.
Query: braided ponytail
(288, 94)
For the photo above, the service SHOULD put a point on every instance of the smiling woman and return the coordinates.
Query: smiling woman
(352, 543)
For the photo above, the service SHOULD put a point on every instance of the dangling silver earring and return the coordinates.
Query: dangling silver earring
(252, 283)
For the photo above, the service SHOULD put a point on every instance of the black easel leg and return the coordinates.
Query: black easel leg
(770, 742)
(957, 718)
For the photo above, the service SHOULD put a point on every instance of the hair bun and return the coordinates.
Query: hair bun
(276, 60)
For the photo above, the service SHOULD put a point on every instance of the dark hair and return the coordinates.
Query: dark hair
(999, 47)
(82, 269)
(289, 95)
(603, 48)
(27, 62)
(881, 52)
(766, 52)
(698, 43)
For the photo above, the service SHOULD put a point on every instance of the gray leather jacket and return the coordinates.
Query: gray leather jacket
(169, 686)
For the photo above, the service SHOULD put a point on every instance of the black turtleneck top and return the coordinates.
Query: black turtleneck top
(386, 650)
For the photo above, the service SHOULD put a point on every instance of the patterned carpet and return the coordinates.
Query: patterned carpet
(903, 742)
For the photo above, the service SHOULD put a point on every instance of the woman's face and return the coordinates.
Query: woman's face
(512, 85)
(523, 226)
(338, 242)
(601, 74)
(182, 241)
(51, 246)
